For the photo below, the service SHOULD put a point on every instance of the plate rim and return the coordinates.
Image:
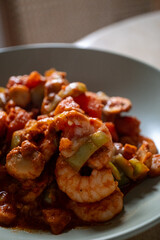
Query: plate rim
(73, 46)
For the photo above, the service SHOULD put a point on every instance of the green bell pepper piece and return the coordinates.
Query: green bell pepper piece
(124, 165)
(73, 89)
(115, 171)
(140, 169)
(93, 143)
(16, 139)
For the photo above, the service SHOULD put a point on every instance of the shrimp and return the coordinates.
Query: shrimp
(76, 127)
(100, 211)
(73, 124)
(155, 166)
(93, 188)
(151, 145)
(67, 104)
(101, 157)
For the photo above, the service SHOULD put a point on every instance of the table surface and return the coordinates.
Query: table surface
(139, 38)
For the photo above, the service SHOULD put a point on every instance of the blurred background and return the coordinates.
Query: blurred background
(37, 21)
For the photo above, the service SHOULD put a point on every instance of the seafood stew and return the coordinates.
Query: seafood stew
(67, 154)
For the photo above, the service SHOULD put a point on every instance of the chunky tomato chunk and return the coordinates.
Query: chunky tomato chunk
(90, 103)
(112, 130)
(127, 126)
(34, 79)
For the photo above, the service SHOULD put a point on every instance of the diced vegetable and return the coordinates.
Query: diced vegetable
(119, 175)
(115, 171)
(20, 95)
(99, 138)
(129, 151)
(90, 103)
(132, 168)
(37, 94)
(112, 130)
(124, 179)
(50, 103)
(127, 126)
(94, 142)
(144, 155)
(54, 85)
(124, 165)
(16, 138)
(140, 169)
(34, 79)
(73, 89)
(53, 74)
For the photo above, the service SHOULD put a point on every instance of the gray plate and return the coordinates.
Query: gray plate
(116, 75)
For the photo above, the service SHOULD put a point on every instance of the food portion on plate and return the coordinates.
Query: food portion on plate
(67, 155)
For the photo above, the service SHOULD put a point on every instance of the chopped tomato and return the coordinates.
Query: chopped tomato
(127, 126)
(112, 130)
(129, 151)
(34, 79)
(90, 103)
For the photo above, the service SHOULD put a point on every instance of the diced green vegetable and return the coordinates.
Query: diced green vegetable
(115, 171)
(140, 169)
(93, 143)
(124, 165)
(133, 168)
(99, 138)
(16, 139)
(119, 175)
(73, 89)
(124, 179)
(20, 94)
(50, 105)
